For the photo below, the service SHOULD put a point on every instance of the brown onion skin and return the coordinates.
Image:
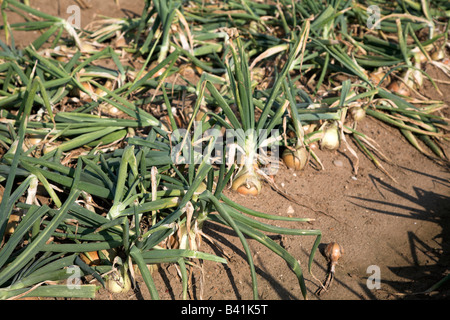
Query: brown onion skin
(252, 191)
(246, 184)
(333, 252)
(399, 88)
(295, 159)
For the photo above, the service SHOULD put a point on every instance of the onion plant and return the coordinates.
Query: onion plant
(252, 133)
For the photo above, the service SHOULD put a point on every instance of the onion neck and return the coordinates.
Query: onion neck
(250, 153)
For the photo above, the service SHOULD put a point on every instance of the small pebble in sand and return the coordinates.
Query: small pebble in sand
(290, 210)
(338, 163)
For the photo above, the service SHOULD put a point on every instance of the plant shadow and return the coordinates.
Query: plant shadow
(417, 276)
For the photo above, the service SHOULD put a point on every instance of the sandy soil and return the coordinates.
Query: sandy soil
(401, 228)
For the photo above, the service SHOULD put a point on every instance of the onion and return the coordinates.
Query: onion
(189, 70)
(295, 159)
(333, 252)
(419, 58)
(438, 55)
(330, 139)
(83, 95)
(108, 85)
(77, 92)
(399, 88)
(377, 76)
(185, 239)
(357, 113)
(308, 128)
(33, 140)
(61, 58)
(119, 281)
(247, 183)
(172, 241)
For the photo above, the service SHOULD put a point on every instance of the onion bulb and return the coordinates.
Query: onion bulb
(189, 70)
(86, 96)
(108, 85)
(33, 140)
(357, 113)
(119, 281)
(247, 183)
(377, 76)
(333, 252)
(330, 139)
(438, 55)
(295, 159)
(419, 58)
(62, 58)
(400, 88)
(77, 92)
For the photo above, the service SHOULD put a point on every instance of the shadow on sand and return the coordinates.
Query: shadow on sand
(427, 206)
